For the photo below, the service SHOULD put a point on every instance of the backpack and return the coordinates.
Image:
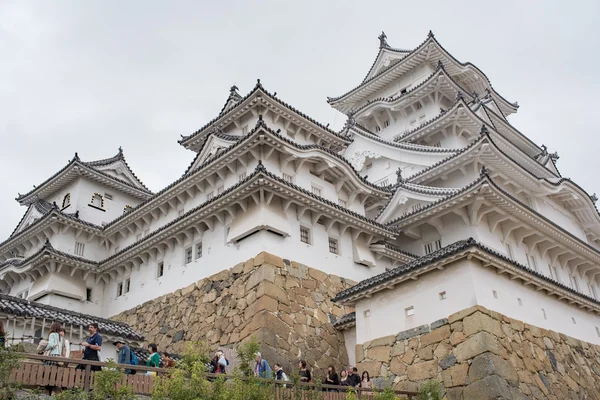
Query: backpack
(134, 359)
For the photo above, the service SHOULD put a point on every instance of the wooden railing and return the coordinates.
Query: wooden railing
(77, 374)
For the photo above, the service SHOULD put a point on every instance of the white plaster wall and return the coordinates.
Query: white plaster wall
(387, 308)
(112, 208)
(409, 80)
(350, 341)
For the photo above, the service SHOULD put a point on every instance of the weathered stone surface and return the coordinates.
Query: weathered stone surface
(254, 298)
(490, 388)
(438, 323)
(436, 336)
(475, 345)
(456, 375)
(487, 364)
(383, 341)
(379, 353)
(481, 322)
(448, 362)
(422, 370)
(397, 366)
(372, 367)
(419, 330)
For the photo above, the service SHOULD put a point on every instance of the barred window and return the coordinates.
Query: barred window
(316, 190)
(79, 248)
(304, 235)
(333, 246)
(288, 178)
(188, 255)
(161, 269)
(198, 250)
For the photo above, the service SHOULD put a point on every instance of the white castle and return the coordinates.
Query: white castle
(428, 196)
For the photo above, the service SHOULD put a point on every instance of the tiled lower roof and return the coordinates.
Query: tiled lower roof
(23, 308)
(450, 250)
(345, 321)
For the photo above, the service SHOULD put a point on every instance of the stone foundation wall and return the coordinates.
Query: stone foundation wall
(285, 305)
(480, 354)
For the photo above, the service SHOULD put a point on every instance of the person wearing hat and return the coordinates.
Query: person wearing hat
(124, 354)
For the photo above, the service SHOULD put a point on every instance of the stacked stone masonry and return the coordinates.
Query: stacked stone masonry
(285, 305)
(480, 354)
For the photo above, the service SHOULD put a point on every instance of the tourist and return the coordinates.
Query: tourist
(332, 378)
(305, 375)
(2, 336)
(54, 348)
(93, 346)
(124, 356)
(66, 346)
(280, 375)
(168, 361)
(353, 378)
(154, 358)
(219, 363)
(344, 378)
(261, 369)
(366, 381)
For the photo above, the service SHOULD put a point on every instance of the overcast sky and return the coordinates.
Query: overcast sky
(90, 76)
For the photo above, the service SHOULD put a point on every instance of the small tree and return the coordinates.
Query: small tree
(8, 362)
(246, 353)
(106, 382)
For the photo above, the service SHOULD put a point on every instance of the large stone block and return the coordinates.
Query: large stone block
(262, 273)
(456, 375)
(478, 322)
(397, 367)
(422, 370)
(372, 367)
(263, 303)
(490, 388)
(266, 288)
(436, 336)
(487, 364)
(379, 353)
(475, 345)
(419, 330)
(383, 341)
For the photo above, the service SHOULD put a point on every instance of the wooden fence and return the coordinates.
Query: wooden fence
(31, 372)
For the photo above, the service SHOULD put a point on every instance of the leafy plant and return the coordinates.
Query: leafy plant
(430, 390)
(246, 353)
(387, 394)
(9, 360)
(351, 395)
(106, 382)
(72, 394)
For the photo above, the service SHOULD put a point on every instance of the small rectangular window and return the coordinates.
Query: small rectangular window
(119, 289)
(519, 301)
(242, 176)
(403, 91)
(369, 165)
(220, 189)
(343, 203)
(127, 285)
(290, 133)
(409, 311)
(288, 178)
(198, 250)
(384, 182)
(367, 314)
(88, 294)
(79, 249)
(108, 196)
(377, 128)
(316, 191)
(433, 246)
(181, 212)
(188, 255)
(573, 319)
(418, 105)
(334, 246)
(304, 235)
(495, 294)
(210, 195)
(160, 271)
(387, 123)
(443, 296)
(544, 313)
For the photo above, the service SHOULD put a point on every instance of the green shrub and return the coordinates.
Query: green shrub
(246, 353)
(9, 360)
(105, 384)
(430, 390)
(72, 394)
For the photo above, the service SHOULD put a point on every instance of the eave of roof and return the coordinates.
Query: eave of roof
(75, 161)
(378, 282)
(186, 140)
(345, 322)
(430, 39)
(23, 308)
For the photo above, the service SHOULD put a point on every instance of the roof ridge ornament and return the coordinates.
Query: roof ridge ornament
(382, 40)
(594, 197)
(260, 121)
(47, 244)
(233, 89)
(554, 156)
(430, 34)
(258, 84)
(440, 64)
(260, 167)
(484, 130)
(459, 96)
(399, 179)
(484, 171)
